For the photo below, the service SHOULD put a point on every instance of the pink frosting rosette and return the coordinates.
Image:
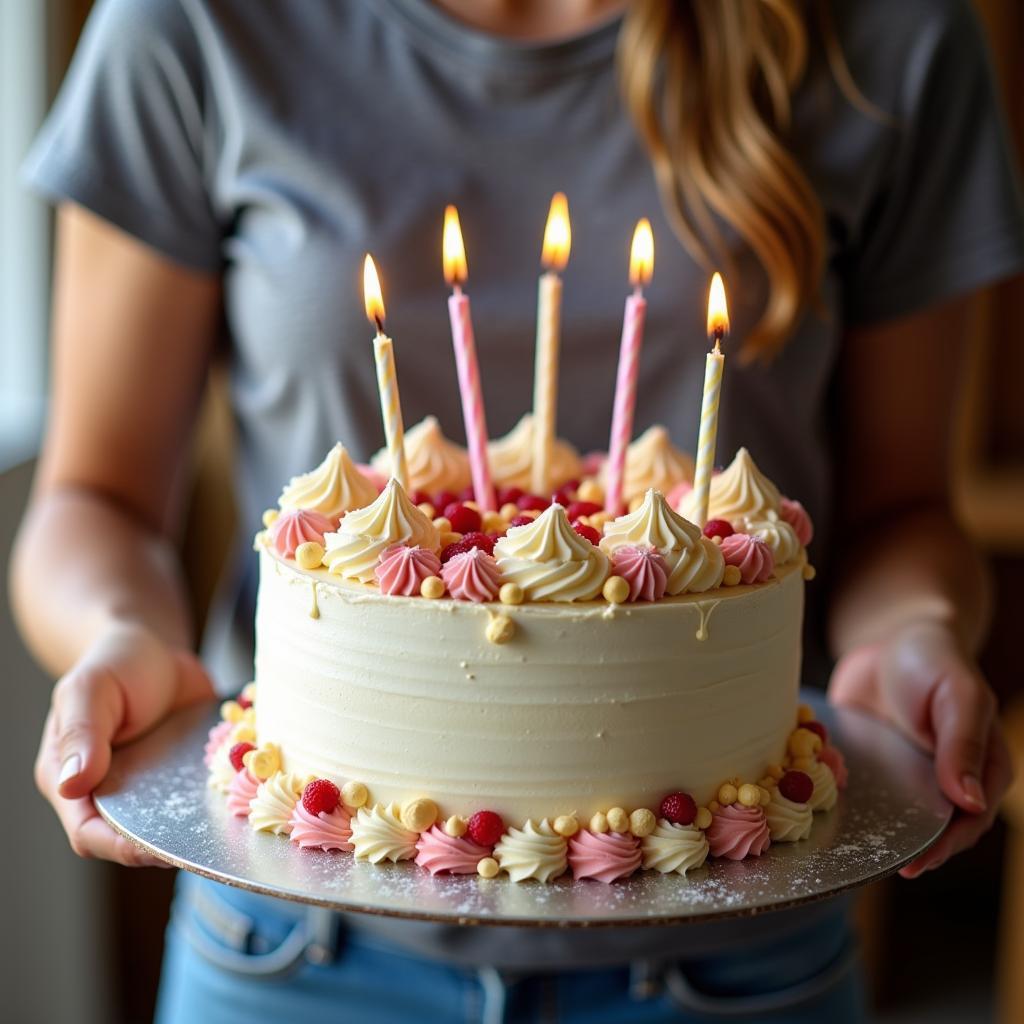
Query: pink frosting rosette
(833, 757)
(379, 480)
(215, 739)
(438, 852)
(323, 831)
(680, 491)
(402, 569)
(472, 576)
(796, 515)
(241, 791)
(750, 555)
(298, 526)
(736, 832)
(644, 569)
(604, 856)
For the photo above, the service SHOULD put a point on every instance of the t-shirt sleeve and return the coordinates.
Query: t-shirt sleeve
(128, 134)
(946, 216)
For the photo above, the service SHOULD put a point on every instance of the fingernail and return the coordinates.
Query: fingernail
(973, 792)
(70, 768)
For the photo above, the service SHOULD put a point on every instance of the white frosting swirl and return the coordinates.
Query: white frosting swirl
(695, 563)
(788, 821)
(222, 771)
(678, 848)
(511, 458)
(332, 489)
(780, 537)
(353, 552)
(825, 792)
(653, 461)
(434, 463)
(378, 834)
(739, 492)
(550, 560)
(533, 851)
(271, 808)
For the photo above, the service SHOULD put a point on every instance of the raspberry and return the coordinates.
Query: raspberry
(818, 728)
(243, 701)
(443, 499)
(587, 533)
(519, 521)
(679, 808)
(566, 494)
(419, 497)
(509, 495)
(532, 502)
(320, 795)
(485, 828)
(796, 786)
(463, 518)
(718, 528)
(467, 494)
(237, 752)
(468, 542)
(577, 509)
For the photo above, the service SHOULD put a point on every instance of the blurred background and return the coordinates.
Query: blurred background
(98, 929)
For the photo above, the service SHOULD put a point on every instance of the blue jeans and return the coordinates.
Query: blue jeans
(234, 958)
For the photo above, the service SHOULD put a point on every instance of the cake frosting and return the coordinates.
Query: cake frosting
(788, 821)
(439, 853)
(472, 576)
(401, 569)
(378, 834)
(511, 458)
(645, 570)
(653, 462)
(335, 487)
(433, 462)
(241, 793)
(533, 851)
(833, 757)
(328, 830)
(825, 791)
(737, 832)
(271, 808)
(299, 526)
(741, 491)
(674, 848)
(603, 856)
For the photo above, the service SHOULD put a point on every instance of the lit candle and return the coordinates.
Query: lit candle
(718, 327)
(455, 272)
(641, 267)
(387, 381)
(554, 257)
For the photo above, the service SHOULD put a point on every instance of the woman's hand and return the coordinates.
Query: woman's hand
(923, 683)
(126, 682)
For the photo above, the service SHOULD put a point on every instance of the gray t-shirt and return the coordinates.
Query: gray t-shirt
(276, 142)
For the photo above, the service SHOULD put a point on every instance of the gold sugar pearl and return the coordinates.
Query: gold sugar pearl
(804, 714)
(474, 505)
(450, 537)
(500, 629)
(263, 762)
(508, 511)
(727, 794)
(243, 733)
(590, 490)
(511, 593)
(231, 711)
(566, 825)
(599, 822)
(703, 819)
(455, 826)
(731, 576)
(767, 782)
(714, 806)
(530, 513)
(443, 524)
(419, 814)
(804, 743)
(766, 795)
(493, 523)
(428, 510)
(487, 867)
(309, 555)
(249, 692)
(618, 820)
(615, 590)
(354, 794)
(776, 771)
(432, 588)
(802, 764)
(749, 795)
(809, 572)
(642, 822)
(270, 516)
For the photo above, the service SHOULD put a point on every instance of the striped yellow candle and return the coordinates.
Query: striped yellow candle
(387, 379)
(718, 327)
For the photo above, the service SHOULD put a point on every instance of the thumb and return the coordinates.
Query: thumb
(88, 706)
(194, 683)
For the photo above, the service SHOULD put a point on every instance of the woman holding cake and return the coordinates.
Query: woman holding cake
(220, 170)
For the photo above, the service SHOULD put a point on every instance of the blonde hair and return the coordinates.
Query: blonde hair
(709, 86)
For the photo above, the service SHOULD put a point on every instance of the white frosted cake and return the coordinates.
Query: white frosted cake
(541, 689)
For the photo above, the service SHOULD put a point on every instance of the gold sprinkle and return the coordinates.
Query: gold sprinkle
(487, 868)
(511, 593)
(270, 517)
(731, 577)
(419, 814)
(599, 823)
(500, 629)
(618, 820)
(455, 826)
(354, 794)
(432, 588)
(309, 555)
(642, 822)
(566, 825)
(703, 819)
(615, 590)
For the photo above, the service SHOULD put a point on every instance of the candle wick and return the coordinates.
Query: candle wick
(380, 324)
(638, 291)
(718, 334)
(457, 288)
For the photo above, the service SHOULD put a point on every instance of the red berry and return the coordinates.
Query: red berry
(566, 494)
(419, 497)
(577, 509)
(237, 752)
(468, 542)
(532, 502)
(509, 495)
(243, 701)
(485, 828)
(818, 728)
(718, 528)
(467, 494)
(463, 518)
(519, 521)
(796, 786)
(587, 533)
(679, 808)
(320, 795)
(443, 499)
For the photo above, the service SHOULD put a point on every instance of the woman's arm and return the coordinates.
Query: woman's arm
(912, 603)
(95, 582)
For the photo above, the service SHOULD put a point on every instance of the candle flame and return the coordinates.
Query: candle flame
(453, 252)
(718, 311)
(557, 234)
(641, 254)
(372, 298)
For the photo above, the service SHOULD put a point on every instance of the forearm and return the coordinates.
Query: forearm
(82, 563)
(916, 568)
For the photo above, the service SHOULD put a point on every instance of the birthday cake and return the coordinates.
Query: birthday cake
(539, 689)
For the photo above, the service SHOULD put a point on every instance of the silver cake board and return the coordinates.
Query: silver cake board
(157, 796)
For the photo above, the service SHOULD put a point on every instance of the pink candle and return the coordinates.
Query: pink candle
(641, 267)
(473, 416)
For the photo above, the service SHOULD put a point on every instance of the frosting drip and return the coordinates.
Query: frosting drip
(241, 793)
(298, 526)
(739, 492)
(550, 560)
(215, 739)
(644, 569)
(434, 463)
(788, 821)
(272, 806)
(402, 569)
(796, 515)
(378, 834)
(511, 458)
(751, 556)
(678, 848)
(825, 792)
(354, 551)
(332, 489)
(533, 851)
(694, 563)
(604, 856)
(777, 534)
(472, 576)
(833, 757)
(736, 832)
(652, 461)
(439, 852)
(324, 831)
